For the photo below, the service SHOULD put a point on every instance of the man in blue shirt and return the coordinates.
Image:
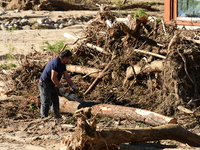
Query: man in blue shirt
(50, 82)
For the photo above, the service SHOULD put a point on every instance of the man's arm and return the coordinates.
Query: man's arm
(68, 79)
(55, 79)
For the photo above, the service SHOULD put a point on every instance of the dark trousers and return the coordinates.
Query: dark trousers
(49, 99)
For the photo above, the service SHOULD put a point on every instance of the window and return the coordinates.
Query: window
(183, 12)
(188, 8)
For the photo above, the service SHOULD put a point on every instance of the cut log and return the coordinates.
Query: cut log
(119, 112)
(86, 136)
(154, 66)
(92, 72)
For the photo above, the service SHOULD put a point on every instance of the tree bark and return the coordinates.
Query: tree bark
(119, 112)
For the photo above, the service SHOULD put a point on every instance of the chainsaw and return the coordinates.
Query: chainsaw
(72, 96)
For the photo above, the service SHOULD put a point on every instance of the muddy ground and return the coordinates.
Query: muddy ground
(20, 125)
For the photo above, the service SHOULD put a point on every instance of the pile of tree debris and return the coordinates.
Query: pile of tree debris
(140, 63)
(132, 62)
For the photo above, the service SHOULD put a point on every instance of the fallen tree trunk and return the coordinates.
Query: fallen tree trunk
(119, 112)
(87, 137)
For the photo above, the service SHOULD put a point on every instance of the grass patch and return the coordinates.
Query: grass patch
(139, 12)
(7, 66)
(53, 47)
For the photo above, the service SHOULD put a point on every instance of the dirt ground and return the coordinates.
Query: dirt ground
(22, 132)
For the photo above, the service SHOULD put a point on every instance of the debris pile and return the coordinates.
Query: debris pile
(140, 63)
(131, 62)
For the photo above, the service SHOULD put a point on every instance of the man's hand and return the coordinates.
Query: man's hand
(62, 90)
(75, 90)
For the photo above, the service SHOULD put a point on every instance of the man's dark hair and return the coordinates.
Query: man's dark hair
(65, 53)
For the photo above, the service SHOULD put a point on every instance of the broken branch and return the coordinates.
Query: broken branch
(149, 53)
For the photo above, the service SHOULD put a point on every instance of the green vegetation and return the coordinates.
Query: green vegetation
(12, 28)
(9, 56)
(8, 66)
(11, 49)
(106, 119)
(32, 107)
(53, 47)
(139, 12)
(69, 122)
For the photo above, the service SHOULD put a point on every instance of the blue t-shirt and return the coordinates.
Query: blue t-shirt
(56, 65)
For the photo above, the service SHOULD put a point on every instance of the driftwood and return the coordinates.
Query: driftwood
(154, 66)
(119, 112)
(86, 136)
